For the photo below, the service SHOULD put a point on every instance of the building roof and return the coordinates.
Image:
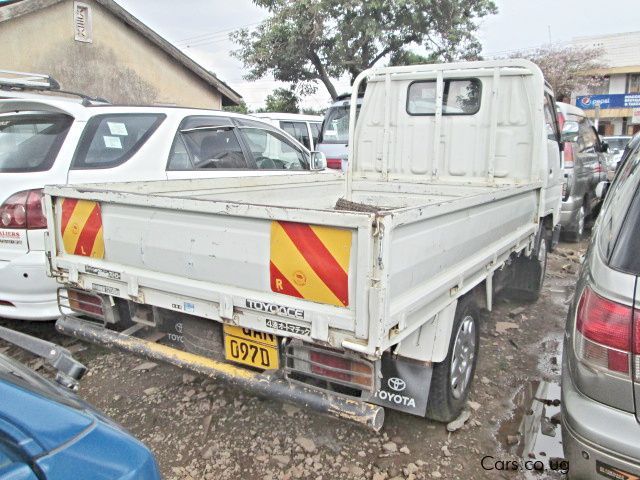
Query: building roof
(229, 96)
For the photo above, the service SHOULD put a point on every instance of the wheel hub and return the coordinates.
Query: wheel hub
(464, 352)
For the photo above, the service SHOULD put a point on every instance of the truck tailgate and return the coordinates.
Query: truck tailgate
(254, 269)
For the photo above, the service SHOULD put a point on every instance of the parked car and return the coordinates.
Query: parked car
(57, 141)
(584, 167)
(347, 295)
(617, 145)
(304, 128)
(48, 433)
(334, 135)
(601, 357)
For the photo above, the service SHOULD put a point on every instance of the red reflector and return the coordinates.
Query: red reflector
(603, 321)
(335, 163)
(618, 361)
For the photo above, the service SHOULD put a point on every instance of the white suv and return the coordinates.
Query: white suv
(58, 141)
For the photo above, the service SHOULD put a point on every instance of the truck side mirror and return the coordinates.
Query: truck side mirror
(318, 161)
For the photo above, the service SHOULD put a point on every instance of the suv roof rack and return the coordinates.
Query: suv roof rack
(36, 81)
(12, 80)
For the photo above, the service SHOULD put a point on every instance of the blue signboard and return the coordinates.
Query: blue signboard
(623, 100)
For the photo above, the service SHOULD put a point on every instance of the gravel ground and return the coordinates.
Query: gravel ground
(201, 429)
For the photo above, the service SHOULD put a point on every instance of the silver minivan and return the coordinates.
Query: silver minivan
(601, 358)
(584, 167)
(334, 135)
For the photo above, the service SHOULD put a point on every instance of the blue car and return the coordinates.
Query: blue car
(48, 433)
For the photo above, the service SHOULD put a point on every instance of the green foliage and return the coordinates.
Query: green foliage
(306, 41)
(241, 108)
(281, 100)
(407, 57)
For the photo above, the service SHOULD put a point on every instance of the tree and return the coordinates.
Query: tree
(567, 68)
(240, 108)
(306, 41)
(282, 100)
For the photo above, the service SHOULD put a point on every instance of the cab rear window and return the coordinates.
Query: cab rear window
(110, 140)
(460, 97)
(30, 142)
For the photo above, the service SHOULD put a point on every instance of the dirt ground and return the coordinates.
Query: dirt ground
(199, 428)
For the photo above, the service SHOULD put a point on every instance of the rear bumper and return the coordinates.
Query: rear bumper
(569, 212)
(24, 283)
(596, 436)
(371, 416)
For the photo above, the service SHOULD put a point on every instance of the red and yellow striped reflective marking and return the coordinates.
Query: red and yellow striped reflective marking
(311, 262)
(81, 228)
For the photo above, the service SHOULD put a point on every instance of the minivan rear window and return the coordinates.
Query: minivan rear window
(335, 128)
(29, 142)
(110, 140)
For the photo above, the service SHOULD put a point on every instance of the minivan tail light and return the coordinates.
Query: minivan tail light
(568, 155)
(335, 163)
(23, 210)
(604, 333)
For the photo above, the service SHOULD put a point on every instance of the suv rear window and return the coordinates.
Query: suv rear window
(335, 128)
(110, 140)
(30, 142)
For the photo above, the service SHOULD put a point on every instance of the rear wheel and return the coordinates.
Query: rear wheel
(451, 379)
(529, 272)
(578, 233)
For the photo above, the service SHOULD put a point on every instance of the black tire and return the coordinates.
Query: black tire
(446, 400)
(578, 234)
(529, 272)
(202, 336)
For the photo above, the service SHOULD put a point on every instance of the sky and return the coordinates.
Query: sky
(201, 29)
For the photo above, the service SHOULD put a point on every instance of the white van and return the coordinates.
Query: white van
(304, 128)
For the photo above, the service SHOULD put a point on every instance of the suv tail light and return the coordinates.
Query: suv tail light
(23, 210)
(604, 333)
(335, 163)
(568, 155)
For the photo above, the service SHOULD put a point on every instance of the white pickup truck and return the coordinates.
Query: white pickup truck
(347, 295)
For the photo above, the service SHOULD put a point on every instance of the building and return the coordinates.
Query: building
(99, 49)
(618, 98)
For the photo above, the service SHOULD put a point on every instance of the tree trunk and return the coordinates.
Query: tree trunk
(323, 75)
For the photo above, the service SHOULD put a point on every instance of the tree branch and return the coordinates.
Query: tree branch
(322, 72)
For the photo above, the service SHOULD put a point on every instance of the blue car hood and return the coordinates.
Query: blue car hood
(47, 423)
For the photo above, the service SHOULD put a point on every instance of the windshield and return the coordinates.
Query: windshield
(30, 142)
(617, 143)
(335, 128)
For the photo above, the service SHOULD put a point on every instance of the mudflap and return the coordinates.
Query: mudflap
(404, 385)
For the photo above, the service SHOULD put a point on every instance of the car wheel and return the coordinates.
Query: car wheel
(451, 379)
(578, 234)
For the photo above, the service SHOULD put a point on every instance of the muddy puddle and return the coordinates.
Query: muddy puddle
(532, 435)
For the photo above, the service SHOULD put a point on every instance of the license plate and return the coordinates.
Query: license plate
(252, 348)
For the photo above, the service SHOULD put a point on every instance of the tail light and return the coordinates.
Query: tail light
(83, 302)
(568, 155)
(604, 333)
(332, 366)
(598, 168)
(335, 163)
(23, 210)
(561, 121)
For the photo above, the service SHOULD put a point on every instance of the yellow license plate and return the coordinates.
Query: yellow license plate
(249, 347)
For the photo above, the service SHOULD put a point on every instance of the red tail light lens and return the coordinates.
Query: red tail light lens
(23, 210)
(568, 155)
(340, 368)
(604, 332)
(335, 163)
